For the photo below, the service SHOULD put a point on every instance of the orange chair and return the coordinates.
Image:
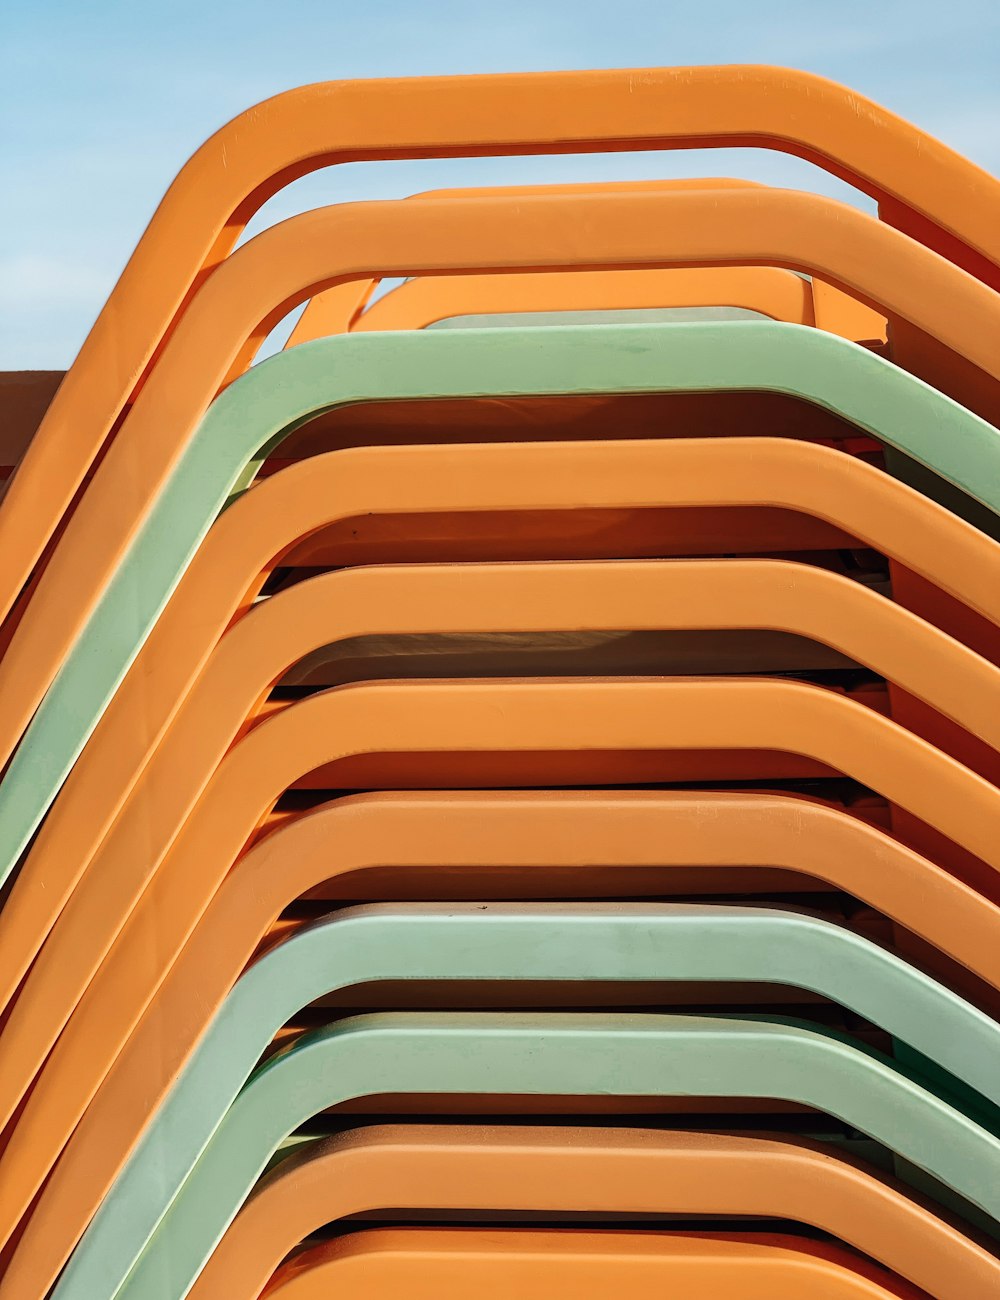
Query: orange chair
(617, 1171)
(237, 306)
(594, 720)
(487, 845)
(922, 187)
(430, 1263)
(425, 301)
(153, 909)
(411, 599)
(251, 538)
(417, 303)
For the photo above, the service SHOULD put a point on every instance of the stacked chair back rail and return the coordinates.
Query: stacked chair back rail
(536, 1054)
(226, 574)
(439, 1262)
(412, 600)
(540, 693)
(558, 942)
(611, 1172)
(448, 840)
(531, 716)
(253, 289)
(415, 304)
(921, 185)
(229, 317)
(419, 303)
(881, 399)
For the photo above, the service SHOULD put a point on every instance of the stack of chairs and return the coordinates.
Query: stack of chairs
(513, 808)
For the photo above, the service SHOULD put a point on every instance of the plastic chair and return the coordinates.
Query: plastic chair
(439, 1262)
(415, 599)
(816, 366)
(251, 537)
(318, 731)
(226, 574)
(412, 599)
(470, 941)
(417, 303)
(550, 1055)
(922, 186)
(610, 1171)
(280, 268)
(912, 353)
(479, 846)
(604, 717)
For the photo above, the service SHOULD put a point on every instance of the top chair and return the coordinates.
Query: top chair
(922, 187)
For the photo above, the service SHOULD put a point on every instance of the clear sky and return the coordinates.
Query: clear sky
(101, 102)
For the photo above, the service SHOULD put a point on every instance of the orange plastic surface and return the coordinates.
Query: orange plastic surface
(778, 294)
(414, 599)
(411, 599)
(599, 716)
(427, 1264)
(271, 274)
(251, 538)
(922, 186)
(781, 295)
(604, 1171)
(461, 845)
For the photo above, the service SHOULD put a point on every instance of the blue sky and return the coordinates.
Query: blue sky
(102, 102)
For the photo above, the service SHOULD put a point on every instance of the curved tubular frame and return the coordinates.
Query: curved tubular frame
(584, 942)
(782, 295)
(922, 185)
(267, 277)
(536, 1054)
(456, 717)
(418, 303)
(757, 356)
(449, 840)
(430, 1263)
(414, 599)
(611, 1171)
(227, 572)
